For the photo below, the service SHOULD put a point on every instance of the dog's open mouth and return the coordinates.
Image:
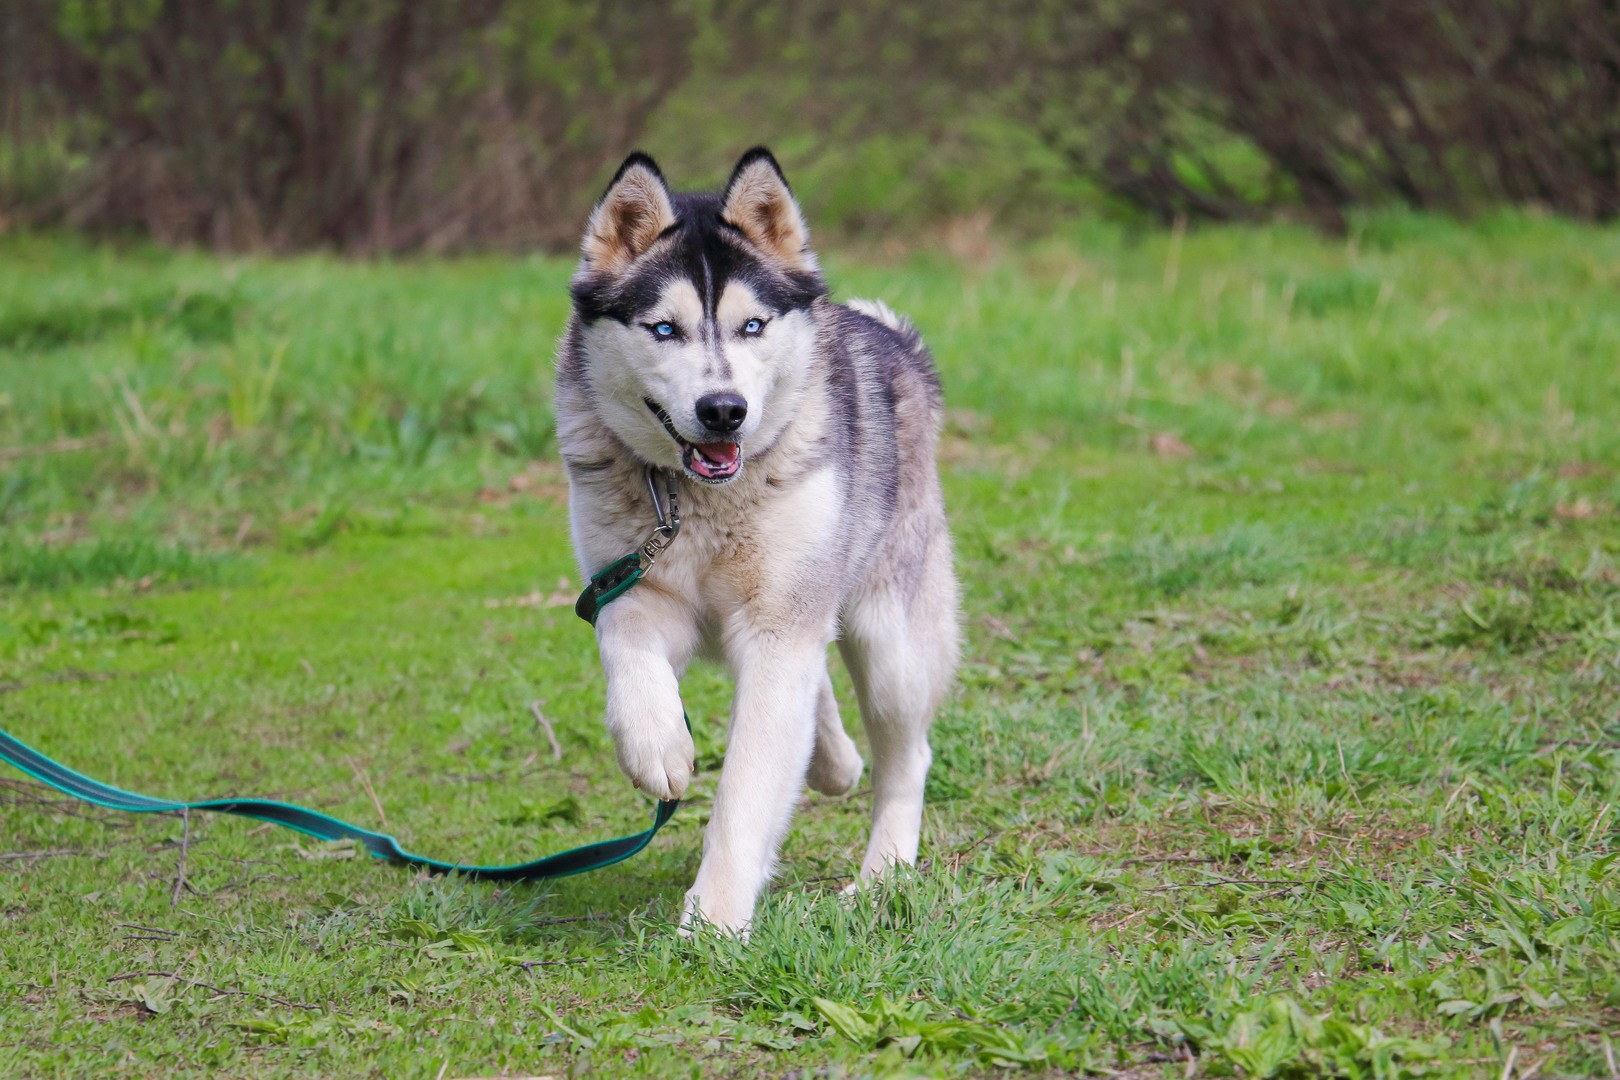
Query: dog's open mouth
(714, 462)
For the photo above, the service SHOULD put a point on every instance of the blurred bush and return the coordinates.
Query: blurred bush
(1437, 104)
(368, 125)
(386, 125)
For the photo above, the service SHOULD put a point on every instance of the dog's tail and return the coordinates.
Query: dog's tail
(912, 343)
(883, 313)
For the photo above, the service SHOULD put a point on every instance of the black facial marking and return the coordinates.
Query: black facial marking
(708, 252)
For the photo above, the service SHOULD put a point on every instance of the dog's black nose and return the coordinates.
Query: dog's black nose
(722, 412)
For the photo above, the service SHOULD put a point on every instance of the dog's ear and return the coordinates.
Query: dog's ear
(631, 214)
(757, 200)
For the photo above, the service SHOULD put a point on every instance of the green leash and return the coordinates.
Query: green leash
(614, 581)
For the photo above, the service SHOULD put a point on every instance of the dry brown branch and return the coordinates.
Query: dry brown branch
(60, 446)
(175, 976)
(573, 919)
(185, 846)
(62, 677)
(364, 778)
(1258, 882)
(147, 929)
(46, 853)
(551, 734)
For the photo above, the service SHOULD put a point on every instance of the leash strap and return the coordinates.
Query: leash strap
(322, 827)
(605, 586)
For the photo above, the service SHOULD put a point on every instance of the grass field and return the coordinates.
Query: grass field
(1286, 740)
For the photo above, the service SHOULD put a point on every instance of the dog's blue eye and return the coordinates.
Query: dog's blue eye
(753, 326)
(664, 329)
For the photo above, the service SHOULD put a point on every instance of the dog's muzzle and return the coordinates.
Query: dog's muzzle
(711, 462)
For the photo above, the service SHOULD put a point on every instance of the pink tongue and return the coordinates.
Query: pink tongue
(720, 453)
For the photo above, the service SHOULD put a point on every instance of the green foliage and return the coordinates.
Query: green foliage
(205, 318)
(1278, 1037)
(108, 560)
(915, 1030)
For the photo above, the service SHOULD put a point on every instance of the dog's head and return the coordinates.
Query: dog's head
(694, 314)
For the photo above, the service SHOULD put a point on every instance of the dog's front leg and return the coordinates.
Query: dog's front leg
(644, 636)
(773, 730)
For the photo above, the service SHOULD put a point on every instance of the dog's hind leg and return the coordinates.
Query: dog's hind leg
(900, 645)
(835, 767)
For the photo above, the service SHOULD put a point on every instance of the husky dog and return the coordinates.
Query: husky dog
(703, 345)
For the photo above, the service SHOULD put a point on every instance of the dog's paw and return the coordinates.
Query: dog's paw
(727, 917)
(658, 763)
(834, 769)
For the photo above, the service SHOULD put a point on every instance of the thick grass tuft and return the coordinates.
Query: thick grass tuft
(136, 561)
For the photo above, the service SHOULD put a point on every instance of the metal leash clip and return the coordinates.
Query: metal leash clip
(669, 518)
(621, 574)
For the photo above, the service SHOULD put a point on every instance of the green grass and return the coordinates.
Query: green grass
(1285, 737)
